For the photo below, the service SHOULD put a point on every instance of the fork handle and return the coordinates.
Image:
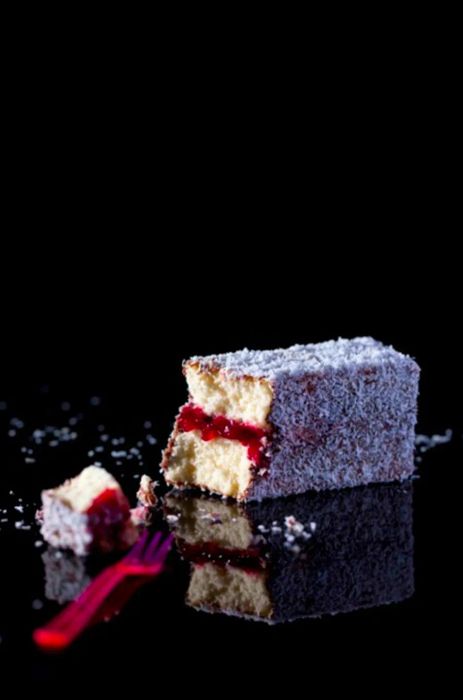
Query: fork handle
(70, 622)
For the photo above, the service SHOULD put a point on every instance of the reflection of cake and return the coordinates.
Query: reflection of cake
(89, 512)
(65, 575)
(277, 422)
(208, 527)
(244, 563)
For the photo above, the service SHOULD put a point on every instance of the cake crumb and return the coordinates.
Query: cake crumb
(172, 519)
(146, 491)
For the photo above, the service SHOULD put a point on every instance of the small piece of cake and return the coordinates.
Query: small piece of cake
(303, 556)
(89, 512)
(269, 423)
(146, 494)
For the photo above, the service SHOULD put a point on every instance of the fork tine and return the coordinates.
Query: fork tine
(163, 550)
(152, 546)
(136, 552)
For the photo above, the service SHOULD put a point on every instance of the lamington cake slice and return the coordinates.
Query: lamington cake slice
(89, 512)
(269, 423)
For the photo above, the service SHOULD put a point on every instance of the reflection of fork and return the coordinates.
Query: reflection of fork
(145, 559)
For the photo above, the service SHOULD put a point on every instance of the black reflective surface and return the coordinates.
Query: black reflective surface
(375, 564)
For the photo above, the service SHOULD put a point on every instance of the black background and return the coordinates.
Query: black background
(133, 238)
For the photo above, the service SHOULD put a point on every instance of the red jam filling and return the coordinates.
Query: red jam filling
(206, 552)
(194, 418)
(110, 503)
(108, 516)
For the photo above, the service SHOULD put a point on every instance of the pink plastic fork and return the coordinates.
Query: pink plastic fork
(145, 559)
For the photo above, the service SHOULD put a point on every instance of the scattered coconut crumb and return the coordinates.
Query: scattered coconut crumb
(58, 435)
(213, 517)
(293, 526)
(17, 423)
(172, 519)
(146, 491)
(141, 515)
(295, 548)
(427, 442)
(295, 530)
(37, 604)
(21, 525)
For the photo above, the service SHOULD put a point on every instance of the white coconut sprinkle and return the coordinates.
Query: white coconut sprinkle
(427, 442)
(17, 423)
(299, 359)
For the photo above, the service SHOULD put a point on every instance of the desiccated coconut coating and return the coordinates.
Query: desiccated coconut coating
(300, 359)
(340, 413)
